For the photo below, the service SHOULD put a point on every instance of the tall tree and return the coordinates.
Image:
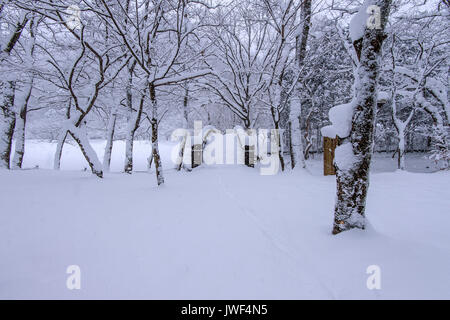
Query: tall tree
(295, 136)
(8, 86)
(354, 154)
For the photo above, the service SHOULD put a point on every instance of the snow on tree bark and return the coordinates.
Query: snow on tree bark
(297, 152)
(21, 118)
(155, 150)
(353, 156)
(7, 123)
(59, 147)
(400, 128)
(80, 136)
(133, 125)
(23, 99)
(133, 122)
(7, 94)
(61, 140)
(109, 140)
(295, 135)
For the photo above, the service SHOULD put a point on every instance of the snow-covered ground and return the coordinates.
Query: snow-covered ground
(217, 232)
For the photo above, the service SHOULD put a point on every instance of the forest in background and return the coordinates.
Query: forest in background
(225, 63)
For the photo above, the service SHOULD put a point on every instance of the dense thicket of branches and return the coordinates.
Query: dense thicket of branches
(138, 69)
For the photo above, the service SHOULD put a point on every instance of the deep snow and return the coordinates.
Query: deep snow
(217, 232)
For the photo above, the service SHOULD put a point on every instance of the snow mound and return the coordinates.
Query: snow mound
(341, 119)
(358, 21)
(344, 157)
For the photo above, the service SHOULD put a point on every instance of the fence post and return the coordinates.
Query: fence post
(196, 155)
(249, 156)
(329, 145)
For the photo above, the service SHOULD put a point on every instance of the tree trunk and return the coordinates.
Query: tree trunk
(150, 161)
(182, 149)
(280, 145)
(21, 119)
(59, 147)
(109, 141)
(7, 123)
(352, 172)
(296, 143)
(21, 116)
(133, 122)
(155, 149)
(307, 135)
(295, 136)
(19, 151)
(61, 140)
(401, 150)
(129, 142)
(133, 125)
(7, 88)
(80, 136)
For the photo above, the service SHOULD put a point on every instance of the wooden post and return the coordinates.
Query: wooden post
(196, 155)
(329, 145)
(249, 156)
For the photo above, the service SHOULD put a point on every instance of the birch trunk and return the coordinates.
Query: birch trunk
(133, 122)
(21, 113)
(400, 128)
(80, 136)
(21, 119)
(19, 135)
(295, 135)
(109, 141)
(296, 143)
(59, 147)
(7, 123)
(61, 140)
(155, 150)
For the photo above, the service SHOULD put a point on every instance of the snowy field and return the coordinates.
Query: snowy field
(222, 232)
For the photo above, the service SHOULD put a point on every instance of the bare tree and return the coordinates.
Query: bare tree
(23, 100)
(149, 26)
(8, 87)
(239, 60)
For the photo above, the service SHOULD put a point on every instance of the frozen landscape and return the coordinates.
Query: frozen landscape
(218, 232)
(224, 149)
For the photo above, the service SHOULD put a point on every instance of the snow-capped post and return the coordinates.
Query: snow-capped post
(196, 155)
(354, 122)
(247, 141)
(249, 156)
(197, 145)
